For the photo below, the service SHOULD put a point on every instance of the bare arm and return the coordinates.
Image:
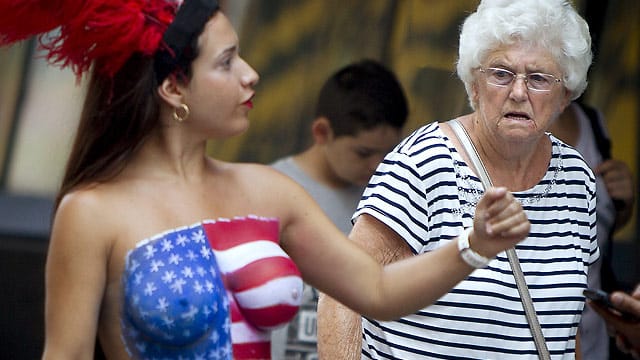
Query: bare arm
(343, 270)
(339, 328)
(75, 280)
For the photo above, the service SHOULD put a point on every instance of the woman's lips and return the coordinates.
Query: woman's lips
(517, 116)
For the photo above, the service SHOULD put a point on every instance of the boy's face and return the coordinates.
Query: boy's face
(353, 159)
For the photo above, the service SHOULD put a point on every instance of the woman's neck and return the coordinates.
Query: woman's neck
(167, 155)
(516, 165)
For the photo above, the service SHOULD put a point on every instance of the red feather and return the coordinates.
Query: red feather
(21, 19)
(88, 30)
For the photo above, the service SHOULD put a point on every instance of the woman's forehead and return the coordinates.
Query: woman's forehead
(521, 55)
(218, 34)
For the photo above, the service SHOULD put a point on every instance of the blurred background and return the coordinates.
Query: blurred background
(294, 45)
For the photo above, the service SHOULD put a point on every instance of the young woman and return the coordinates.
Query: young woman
(163, 251)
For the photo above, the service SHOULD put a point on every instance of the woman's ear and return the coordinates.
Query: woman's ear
(170, 91)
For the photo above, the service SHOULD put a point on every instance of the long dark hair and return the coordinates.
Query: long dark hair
(119, 112)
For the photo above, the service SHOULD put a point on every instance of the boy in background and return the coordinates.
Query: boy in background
(359, 117)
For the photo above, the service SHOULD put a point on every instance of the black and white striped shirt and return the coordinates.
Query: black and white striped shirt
(427, 194)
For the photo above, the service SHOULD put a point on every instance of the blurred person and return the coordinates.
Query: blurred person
(583, 127)
(360, 112)
(161, 251)
(521, 62)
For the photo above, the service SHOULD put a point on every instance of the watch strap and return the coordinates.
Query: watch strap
(469, 256)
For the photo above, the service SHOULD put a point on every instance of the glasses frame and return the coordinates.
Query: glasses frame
(524, 77)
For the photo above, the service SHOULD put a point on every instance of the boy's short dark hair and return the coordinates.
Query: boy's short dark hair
(361, 96)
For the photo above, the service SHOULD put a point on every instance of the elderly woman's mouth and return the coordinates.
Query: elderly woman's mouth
(517, 116)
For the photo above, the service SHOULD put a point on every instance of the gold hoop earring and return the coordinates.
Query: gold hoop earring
(185, 110)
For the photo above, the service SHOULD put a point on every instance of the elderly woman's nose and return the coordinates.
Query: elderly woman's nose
(519, 87)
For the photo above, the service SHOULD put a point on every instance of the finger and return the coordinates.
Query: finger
(510, 217)
(491, 196)
(626, 303)
(488, 201)
(503, 207)
(603, 167)
(612, 179)
(610, 165)
(611, 318)
(518, 231)
(622, 344)
(505, 213)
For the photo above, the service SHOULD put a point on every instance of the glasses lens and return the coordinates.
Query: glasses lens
(534, 81)
(541, 82)
(500, 77)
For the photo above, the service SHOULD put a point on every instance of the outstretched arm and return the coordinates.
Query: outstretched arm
(344, 271)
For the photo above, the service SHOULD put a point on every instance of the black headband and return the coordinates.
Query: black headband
(187, 25)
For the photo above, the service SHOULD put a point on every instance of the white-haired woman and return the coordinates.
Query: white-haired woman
(521, 62)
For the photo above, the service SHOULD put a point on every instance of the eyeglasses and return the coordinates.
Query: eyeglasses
(539, 82)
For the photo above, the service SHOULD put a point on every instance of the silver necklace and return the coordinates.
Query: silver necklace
(473, 192)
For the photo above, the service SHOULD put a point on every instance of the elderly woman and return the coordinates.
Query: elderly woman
(521, 62)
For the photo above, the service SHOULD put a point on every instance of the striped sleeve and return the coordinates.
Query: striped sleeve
(411, 187)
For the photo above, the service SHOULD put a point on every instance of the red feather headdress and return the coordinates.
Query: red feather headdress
(76, 33)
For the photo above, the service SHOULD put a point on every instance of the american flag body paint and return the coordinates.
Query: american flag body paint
(263, 283)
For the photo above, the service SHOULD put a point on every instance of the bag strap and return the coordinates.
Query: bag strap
(523, 290)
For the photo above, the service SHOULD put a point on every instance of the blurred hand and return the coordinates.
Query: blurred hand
(618, 180)
(627, 332)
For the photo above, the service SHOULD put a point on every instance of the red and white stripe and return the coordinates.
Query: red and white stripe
(264, 284)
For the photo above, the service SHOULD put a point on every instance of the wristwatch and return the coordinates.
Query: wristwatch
(468, 255)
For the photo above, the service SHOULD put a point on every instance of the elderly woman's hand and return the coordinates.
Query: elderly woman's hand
(499, 223)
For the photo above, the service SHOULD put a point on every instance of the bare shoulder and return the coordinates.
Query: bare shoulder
(262, 177)
(84, 215)
(270, 191)
(85, 204)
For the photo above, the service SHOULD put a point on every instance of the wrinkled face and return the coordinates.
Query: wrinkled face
(515, 112)
(221, 87)
(353, 159)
